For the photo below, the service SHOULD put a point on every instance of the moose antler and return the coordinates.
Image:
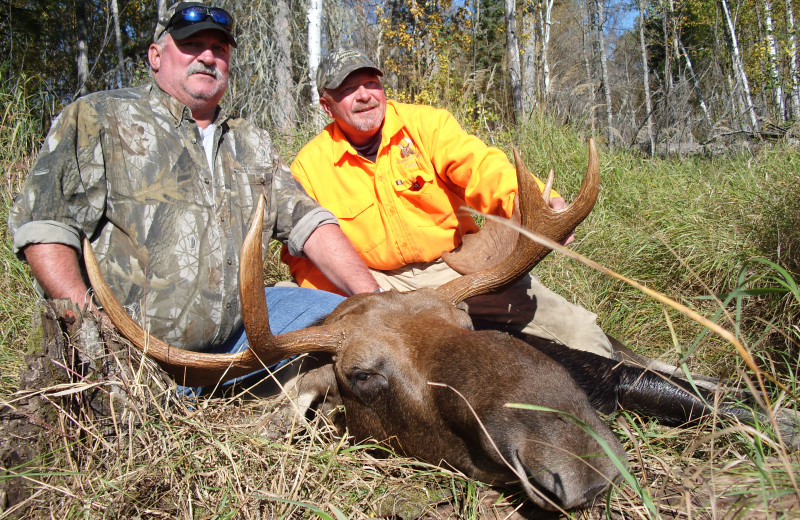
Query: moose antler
(199, 368)
(537, 217)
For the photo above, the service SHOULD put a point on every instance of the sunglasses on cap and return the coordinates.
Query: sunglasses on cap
(198, 13)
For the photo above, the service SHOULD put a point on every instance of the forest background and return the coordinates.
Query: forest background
(662, 76)
(707, 86)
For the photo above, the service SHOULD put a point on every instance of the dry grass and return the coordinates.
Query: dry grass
(157, 456)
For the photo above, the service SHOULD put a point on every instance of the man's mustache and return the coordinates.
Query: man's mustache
(368, 106)
(199, 68)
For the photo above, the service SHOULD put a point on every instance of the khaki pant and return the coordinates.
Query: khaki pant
(527, 306)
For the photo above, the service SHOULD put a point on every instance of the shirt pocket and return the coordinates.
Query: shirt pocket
(361, 221)
(426, 200)
(248, 183)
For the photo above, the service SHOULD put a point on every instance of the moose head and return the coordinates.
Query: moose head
(413, 373)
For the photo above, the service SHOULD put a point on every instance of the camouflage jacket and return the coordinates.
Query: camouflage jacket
(127, 169)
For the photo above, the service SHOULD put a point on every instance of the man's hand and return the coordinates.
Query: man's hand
(560, 203)
(56, 268)
(333, 254)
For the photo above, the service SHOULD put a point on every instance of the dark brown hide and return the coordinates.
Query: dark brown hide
(398, 344)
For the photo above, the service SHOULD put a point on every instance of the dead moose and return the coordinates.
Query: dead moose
(435, 389)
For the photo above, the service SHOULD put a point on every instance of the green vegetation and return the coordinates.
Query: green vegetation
(720, 235)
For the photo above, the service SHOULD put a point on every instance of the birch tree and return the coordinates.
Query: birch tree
(794, 67)
(285, 109)
(118, 42)
(529, 59)
(738, 67)
(513, 56)
(83, 48)
(697, 88)
(601, 44)
(772, 54)
(546, 21)
(646, 82)
(588, 45)
(314, 14)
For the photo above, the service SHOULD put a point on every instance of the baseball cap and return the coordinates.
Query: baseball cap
(339, 64)
(184, 19)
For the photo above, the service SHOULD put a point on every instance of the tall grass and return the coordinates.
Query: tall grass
(20, 135)
(718, 234)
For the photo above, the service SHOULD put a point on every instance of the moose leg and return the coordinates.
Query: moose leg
(629, 357)
(613, 385)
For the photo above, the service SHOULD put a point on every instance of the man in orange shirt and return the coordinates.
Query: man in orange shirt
(395, 176)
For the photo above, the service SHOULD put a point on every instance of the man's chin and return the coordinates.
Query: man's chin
(205, 90)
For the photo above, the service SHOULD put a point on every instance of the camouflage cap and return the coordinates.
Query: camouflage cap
(339, 64)
(207, 22)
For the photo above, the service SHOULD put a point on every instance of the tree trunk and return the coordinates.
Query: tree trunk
(546, 25)
(601, 43)
(646, 80)
(285, 109)
(666, 14)
(83, 48)
(697, 89)
(314, 55)
(794, 66)
(513, 56)
(738, 67)
(588, 59)
(118, 41)
(529, 60)
(772, 53)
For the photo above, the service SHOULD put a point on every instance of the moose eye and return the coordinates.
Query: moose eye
(362, 377)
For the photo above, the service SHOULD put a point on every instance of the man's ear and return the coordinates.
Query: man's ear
(325, 106)
(154, 56)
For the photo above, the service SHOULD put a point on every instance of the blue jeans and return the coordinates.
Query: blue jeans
(290, 308)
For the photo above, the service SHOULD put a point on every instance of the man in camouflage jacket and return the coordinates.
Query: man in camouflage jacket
(164, 184)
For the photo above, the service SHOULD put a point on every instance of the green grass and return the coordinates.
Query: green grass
(720, 235)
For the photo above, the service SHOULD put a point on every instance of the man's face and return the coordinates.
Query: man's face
(193, 70)
(358, 105)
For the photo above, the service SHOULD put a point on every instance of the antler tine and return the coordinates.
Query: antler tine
(269, 348)
(198, 368)
(538, 217)
(184, 366)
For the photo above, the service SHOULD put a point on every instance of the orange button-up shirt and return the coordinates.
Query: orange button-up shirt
(404, 207)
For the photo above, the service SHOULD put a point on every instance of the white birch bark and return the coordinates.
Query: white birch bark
(314, 14)
(738, 67)
(546, 24)
(772, 53)
(794, 66)
(697, 89)
(513, 56)
(648, 102)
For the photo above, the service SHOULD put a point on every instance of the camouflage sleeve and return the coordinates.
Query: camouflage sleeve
(298, 215)
(64, 195)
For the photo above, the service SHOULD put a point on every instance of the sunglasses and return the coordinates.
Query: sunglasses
(196, 13)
